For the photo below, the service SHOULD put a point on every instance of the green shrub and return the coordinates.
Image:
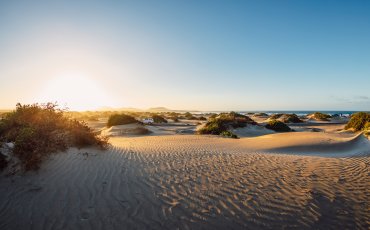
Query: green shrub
(261, 114)
(158, 119)
(277, 126)
(120, 119)
(321, 116)
(359, 121)
(225, 121)
(228, 134)
(276, 116)
(202, 118)
(38, 130)
(290, 118)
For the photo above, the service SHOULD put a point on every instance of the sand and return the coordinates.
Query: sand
(293, 180)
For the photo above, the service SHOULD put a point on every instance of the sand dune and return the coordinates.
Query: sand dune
(195, 182)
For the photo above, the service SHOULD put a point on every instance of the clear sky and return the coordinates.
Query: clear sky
(203, 55)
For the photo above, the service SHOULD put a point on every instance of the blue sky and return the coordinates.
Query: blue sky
(204, 55)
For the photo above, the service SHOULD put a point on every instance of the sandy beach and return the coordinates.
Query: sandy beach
(197, 182)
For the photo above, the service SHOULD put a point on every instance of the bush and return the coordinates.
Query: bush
(120, 119)
(202, 118)
(359, 121)
(290, 118)
(228, 134)
(321, 116)
(278, 126)
(38, 130)
(225, 121)
(276, 116)
(159, 119)
(261, 115)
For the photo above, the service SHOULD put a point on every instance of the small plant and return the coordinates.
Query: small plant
(228, 134)
(120, 119)
(158, 119)
(278, 126)
(359, 121)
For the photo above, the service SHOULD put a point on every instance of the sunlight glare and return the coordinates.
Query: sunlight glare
(76, 91)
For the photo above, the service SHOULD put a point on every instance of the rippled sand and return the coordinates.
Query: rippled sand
(194, 182)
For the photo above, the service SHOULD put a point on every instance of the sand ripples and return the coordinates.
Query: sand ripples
(188, 182)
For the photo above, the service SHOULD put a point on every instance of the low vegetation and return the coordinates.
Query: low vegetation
(120, 119)
(261, 115)
(321, 116)
(290, 118)
(38, 130)
(202, 118)
(359, 121)
(276, 116)
(224, 122)
(158, 119)
(278, 126)
(228, 134)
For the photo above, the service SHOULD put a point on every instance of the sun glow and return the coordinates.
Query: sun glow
(75, 91)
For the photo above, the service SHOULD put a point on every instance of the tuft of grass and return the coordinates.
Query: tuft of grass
(359, 121)
(278, 126)
(228, 134)
(120, 119)
(38, 130)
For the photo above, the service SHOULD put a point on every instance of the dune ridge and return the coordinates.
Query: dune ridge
(190, 182)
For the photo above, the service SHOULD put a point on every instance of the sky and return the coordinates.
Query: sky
(196, 55)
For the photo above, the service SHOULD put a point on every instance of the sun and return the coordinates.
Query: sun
(76, 91)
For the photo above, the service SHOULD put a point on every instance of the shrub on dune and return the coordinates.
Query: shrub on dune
(359, 121)
(225, 121)
(278, 126)
(120, 119)
(276, 116)
(159, 119)
(260, 115)
(202, 118)
(321, 116)
(290, 118)
(38, 130)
